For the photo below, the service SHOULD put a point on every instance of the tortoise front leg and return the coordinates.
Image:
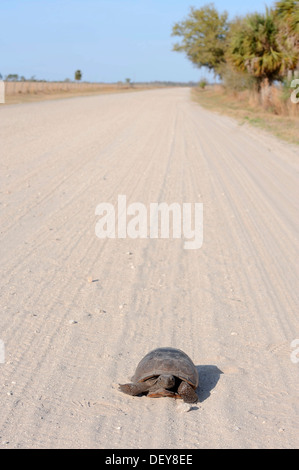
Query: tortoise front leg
(136, 388)
(187, 393)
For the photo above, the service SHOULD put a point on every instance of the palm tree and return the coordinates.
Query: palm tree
(288, 12)
(253, 47)
(287, 18)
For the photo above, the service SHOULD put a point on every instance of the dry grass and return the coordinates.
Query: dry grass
(278, 116)
(27, 92)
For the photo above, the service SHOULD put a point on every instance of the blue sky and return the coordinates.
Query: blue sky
(109, 40)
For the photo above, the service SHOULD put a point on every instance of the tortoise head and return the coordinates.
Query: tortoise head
(166, 381)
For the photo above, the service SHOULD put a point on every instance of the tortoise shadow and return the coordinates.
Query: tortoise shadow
(209, 376)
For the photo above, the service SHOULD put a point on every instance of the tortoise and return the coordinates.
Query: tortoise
(165, 372)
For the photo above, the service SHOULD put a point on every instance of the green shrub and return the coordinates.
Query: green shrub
(202, 83)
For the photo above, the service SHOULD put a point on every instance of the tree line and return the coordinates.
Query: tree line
(14, 77)
(246, 51)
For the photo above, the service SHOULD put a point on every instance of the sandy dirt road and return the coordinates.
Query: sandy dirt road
(231, 305)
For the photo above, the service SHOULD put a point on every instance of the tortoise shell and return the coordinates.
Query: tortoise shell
(168, 361)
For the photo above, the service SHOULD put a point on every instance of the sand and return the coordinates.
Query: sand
(77, 313)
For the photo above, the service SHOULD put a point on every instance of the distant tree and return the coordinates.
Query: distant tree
(203, 35)
(78, 75)
(1, 77)
(12, 77)
(128, 81)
